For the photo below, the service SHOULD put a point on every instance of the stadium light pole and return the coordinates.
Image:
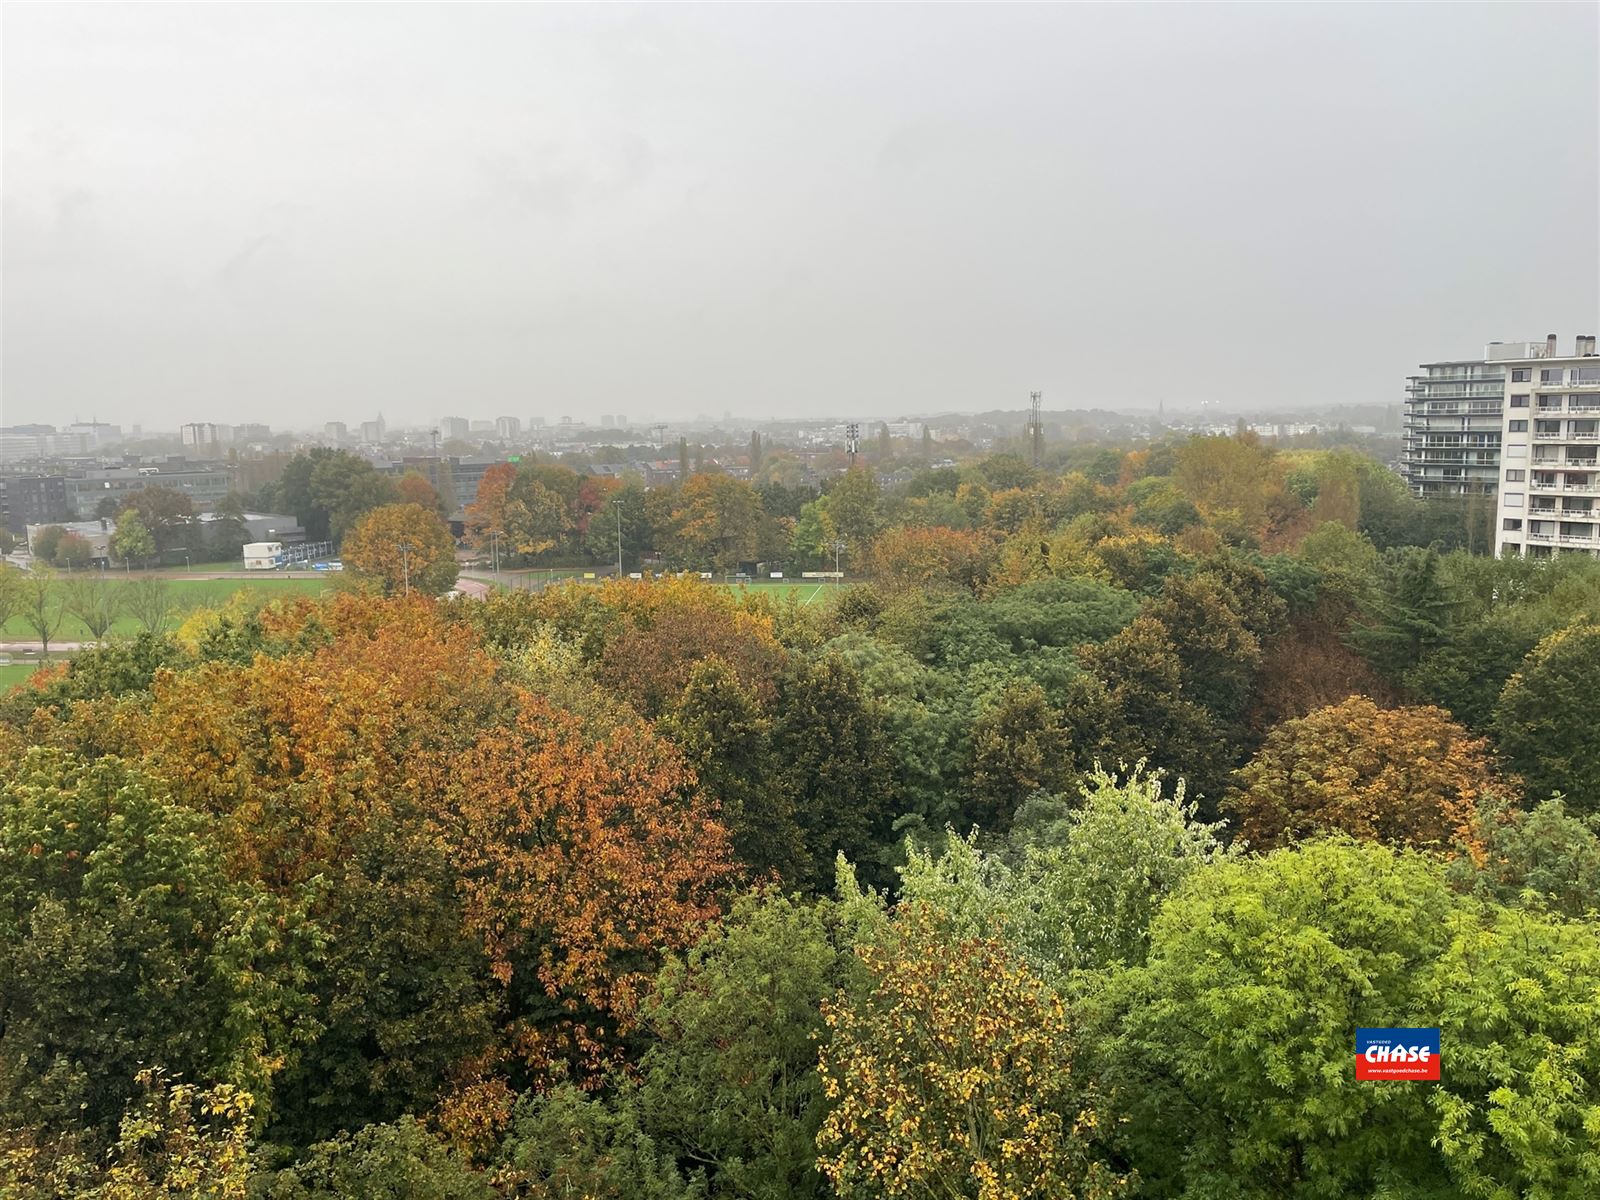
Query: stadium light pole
(617, 504)
(405, 564)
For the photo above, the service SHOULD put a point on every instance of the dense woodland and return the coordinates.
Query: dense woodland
(1062, 858)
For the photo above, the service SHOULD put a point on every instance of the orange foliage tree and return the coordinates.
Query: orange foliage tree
(645, 636)
(579, 861)
(1405, 776)
(908, 557)
(404, 548)
(488, 512)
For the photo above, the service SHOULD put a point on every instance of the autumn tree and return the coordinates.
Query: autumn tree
(713, 522)
(659, 631)
(74, 552)
(402, 547)
(1404, 776)
(322, 750)
(912, 558)
(955, 1072)
(536, 517)
(852, 502)
(43, 544)
(1545, 718)
(1236, 482)
(177, 1140)
(414, 488)
(579, 862)
(486, 515)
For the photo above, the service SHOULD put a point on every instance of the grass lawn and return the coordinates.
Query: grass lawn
(186, 594)
(14, 673)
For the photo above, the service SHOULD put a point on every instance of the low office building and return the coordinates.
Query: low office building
(204, 485)
(97, 533)
(1550, 452)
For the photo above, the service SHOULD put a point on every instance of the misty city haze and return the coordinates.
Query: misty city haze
(298, 214)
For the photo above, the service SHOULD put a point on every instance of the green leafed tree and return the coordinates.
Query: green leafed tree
(122, 944)
(133, 541)
(724, 735)
(1233, 1046)
(1546, 720)
(399, 1161)
(730, 1080)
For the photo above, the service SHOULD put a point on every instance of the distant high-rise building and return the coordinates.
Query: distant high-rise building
(606, 420)
(507, 428)
(97, 433)
(372, 431)
(454, 429)
(201, 435)
(1450, 434)
(622, 421)
(336, 431)
(1548, 449)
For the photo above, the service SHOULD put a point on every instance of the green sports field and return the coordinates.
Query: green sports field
(186, 594)
(804, 590)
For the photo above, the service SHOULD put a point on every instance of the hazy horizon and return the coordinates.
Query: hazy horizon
(294, 214)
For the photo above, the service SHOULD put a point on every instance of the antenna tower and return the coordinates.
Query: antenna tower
(852, 434)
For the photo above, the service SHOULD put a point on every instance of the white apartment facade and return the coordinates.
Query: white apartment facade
(1550, 450)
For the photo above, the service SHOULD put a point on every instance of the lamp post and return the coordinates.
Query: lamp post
(617, 504)
(838, 545)
(494, 553)
(405, 564)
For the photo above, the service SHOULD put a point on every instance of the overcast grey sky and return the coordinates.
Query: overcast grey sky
(293, 214)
